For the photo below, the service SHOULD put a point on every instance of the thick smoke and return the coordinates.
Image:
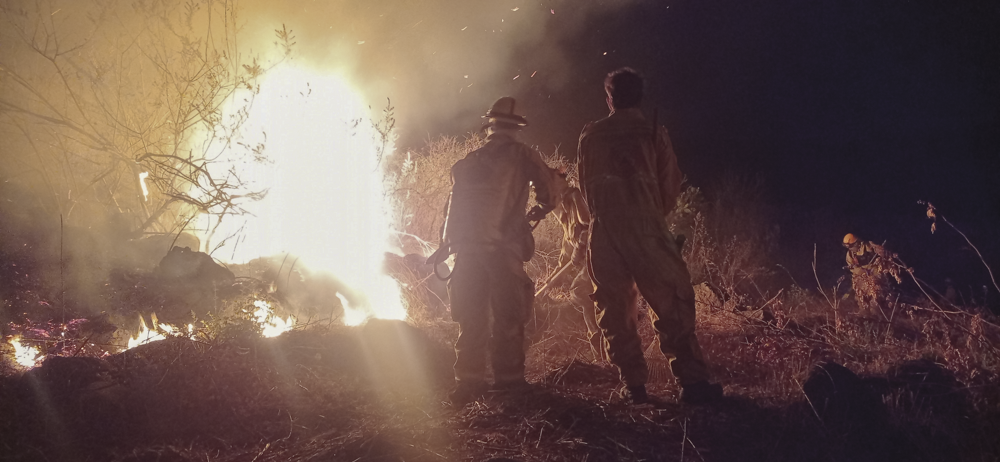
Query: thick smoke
(441, 62)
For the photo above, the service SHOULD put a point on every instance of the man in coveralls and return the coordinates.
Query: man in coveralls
(631, 180)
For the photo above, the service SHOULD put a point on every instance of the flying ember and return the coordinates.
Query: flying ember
(325, 202)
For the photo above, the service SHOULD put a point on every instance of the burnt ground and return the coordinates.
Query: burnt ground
(379, 393)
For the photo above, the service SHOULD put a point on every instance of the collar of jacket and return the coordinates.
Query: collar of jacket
(504, 135)
(631, 113)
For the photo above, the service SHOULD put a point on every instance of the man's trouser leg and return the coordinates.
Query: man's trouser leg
(469, 291)
(483, 282)
(661, 275)
(512, 295)
(617, 309)
(663, 280)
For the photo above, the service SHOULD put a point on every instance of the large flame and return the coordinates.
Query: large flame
(325, 201)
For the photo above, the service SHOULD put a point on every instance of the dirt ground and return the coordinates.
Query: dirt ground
(379, 393)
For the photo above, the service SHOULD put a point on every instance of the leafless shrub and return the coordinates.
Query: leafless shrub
(102, 103)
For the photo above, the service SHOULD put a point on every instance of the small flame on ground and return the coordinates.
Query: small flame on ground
(352, 316)
(147, 335)
(325, 196)
(27, 356)
(273, 325)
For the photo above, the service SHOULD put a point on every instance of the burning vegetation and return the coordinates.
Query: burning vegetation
(186, 279)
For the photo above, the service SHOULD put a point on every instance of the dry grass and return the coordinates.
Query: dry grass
(419, 183)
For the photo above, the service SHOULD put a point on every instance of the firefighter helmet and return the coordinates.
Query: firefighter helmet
(503, 111)
(850, 239)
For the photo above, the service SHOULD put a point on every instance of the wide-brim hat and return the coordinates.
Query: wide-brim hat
(503, 111)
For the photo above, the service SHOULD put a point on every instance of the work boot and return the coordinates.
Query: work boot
(701, 392)
(466, 392)
(635, 395)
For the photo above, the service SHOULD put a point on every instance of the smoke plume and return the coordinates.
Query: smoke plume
(441, 62)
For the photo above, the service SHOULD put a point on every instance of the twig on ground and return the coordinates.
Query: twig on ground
(684, 436)
(833, 304)
(809, 401)
(819, 285)
(266, 446)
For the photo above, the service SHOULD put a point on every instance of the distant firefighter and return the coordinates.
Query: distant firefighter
(871, 267)
(574, 217)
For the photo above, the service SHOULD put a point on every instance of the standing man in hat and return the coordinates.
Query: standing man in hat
(630, 179)
(489, 233)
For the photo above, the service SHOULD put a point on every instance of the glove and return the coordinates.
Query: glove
(537, 213)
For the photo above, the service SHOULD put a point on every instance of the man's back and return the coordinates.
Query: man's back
(624, 170)
(491, 192)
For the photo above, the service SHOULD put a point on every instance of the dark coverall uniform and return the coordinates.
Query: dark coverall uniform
(489, 280)
(631, 181)
(574, 217)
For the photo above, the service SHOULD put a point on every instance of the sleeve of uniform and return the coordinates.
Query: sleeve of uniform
(541, 178)
(669, 174)
(582, 211)
(581, 164)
